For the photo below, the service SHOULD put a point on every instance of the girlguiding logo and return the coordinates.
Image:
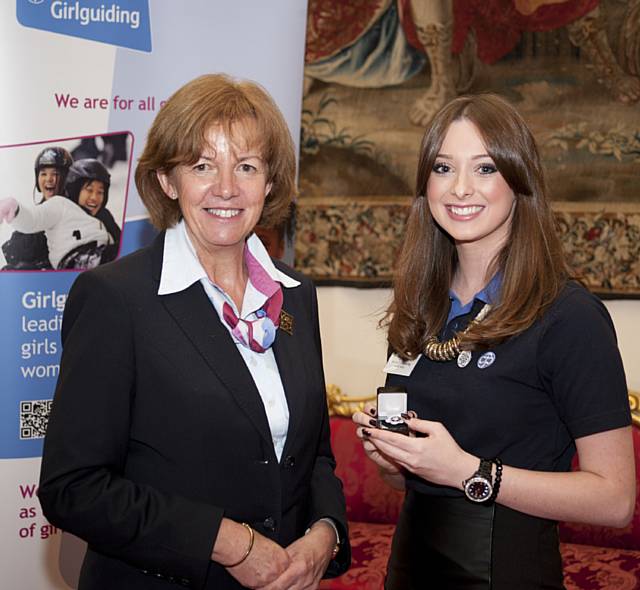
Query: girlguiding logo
(124, 23)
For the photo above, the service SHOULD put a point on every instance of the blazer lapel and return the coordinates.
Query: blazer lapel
(289, 359)
(195, 316)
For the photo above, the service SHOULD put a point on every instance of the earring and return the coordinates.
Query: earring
(174, 196)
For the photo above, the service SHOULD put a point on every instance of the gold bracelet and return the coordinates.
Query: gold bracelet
(249, 548)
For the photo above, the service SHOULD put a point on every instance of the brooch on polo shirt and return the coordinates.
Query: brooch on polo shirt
(286, 322)
(464, 358)
(486, 360)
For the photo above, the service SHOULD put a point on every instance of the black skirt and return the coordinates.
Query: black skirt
(450, 543)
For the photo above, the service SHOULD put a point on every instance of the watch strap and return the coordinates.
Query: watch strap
(486, 466)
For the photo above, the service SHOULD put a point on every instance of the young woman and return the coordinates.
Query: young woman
(29, 251)
(88, 185)
(510, 365)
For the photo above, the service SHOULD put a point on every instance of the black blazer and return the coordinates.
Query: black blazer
(157, 431)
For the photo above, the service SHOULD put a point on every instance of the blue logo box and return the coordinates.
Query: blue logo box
(124, 23)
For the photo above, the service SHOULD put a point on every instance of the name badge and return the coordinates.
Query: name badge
(397, 366)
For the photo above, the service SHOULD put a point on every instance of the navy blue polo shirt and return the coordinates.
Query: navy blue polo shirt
(526, 400)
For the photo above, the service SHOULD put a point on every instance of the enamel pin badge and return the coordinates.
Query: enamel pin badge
(286, 322)
(486, 360)
(464, 358)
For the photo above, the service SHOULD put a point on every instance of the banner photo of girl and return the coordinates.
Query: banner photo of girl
(63, 202)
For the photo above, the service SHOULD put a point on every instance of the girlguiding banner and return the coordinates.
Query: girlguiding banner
(83, 79)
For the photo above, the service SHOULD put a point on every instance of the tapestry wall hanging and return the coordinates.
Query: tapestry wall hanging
(375, 72)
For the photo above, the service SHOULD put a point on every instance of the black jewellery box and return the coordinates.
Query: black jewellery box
(392, 403)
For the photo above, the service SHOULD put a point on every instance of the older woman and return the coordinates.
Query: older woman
(510, 365)
(189, 438)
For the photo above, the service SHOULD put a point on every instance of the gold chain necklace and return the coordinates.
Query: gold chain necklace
(450, 349)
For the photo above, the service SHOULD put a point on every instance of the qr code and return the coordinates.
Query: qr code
(34, 417)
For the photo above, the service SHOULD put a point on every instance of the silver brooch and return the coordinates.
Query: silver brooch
(486, 360)
(464, 358)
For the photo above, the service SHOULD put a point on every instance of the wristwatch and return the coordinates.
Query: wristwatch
(479, 487)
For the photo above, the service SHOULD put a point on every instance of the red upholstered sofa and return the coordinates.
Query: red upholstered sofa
(594, 557)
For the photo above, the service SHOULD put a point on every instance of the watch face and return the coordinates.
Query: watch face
(478, 489)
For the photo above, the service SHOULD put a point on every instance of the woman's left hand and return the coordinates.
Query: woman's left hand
(310, 555)
(435, 457)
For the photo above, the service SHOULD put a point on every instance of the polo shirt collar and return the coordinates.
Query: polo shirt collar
(487, 295)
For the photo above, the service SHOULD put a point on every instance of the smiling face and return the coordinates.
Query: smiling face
(468, 197)
(91, 197)
(222, 194)
(48, 178)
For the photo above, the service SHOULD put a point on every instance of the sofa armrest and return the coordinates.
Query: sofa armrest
(369, 498)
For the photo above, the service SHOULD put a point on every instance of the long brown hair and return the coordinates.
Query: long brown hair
(531, 262)
(178, 136)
